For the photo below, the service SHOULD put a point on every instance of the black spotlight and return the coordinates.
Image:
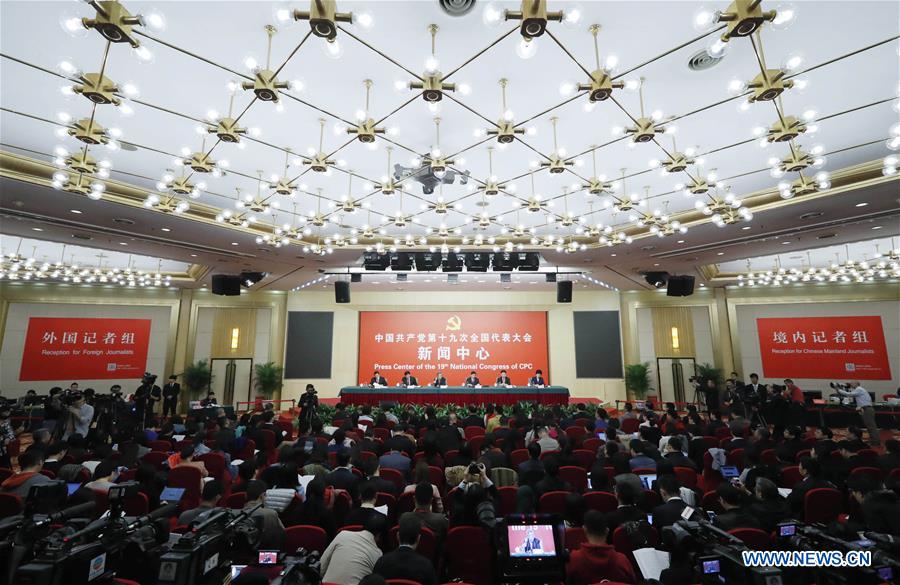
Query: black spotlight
(376, 261)
(680, 286)
(656, 279)
(342, 291)
(564, 291)
(528, 261)
(504, 261)
(453, 262)
(249, 278)
(477, 261)
(428, 261)
(356, 277)
(228, 285)
(402, 261)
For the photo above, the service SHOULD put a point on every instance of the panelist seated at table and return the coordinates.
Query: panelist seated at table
(409, 380)
(503, 379)
(439, 380)
(537, 379)
(472, 381)
(378, 379)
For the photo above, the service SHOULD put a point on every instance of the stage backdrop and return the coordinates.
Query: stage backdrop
(455, 342)
(84, 349)
(831, 348)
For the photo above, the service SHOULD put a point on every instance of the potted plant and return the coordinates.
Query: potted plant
(710, 372)
(267, 379)
(196, 378)
(637, 379)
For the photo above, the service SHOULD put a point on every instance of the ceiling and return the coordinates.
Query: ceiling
(44, 251)
(853, 93)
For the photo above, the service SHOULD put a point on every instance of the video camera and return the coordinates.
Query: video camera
(884, 565)
(148, 379)
(715, 556)
(203, 554)
(300, 568)
(77, 554)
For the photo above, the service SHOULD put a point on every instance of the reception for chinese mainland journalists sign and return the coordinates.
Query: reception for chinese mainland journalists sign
(455, 343)
(84, 349)
(829, 348)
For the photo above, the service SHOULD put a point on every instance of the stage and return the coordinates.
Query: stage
(454, 395)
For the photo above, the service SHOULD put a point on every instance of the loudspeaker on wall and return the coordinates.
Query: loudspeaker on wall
(680, 286)
(342, 291)
(564, 291)
(226, 284)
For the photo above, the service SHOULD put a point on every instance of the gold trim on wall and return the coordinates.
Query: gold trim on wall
(234, 333)
(671, 325)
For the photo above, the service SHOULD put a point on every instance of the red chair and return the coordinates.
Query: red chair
(427, 546)
(801, 454)
(247, 451)
(575, 476)
(10, 505)
(136, 505)
(736, 457)
(436, 477)
(553, 502)
(754, 538)
(584, 457)
(386, 499)
(601, 501)
(406, 503)
(475, 443)
(351, 528)
(508, 499)
(870, 455)
(575, 537)
(651, 500)
(5, 474)
(402, 581)
(686, 477)
(873, 473)
(381, 433)
(305, 536)
(164, 446)
(235, 501)
(790, 476)
(576, 434)
(710, 502)
(518, 456)
(366, 455)
(592, 444)
(546, 454)
(342, 504)
(287, 428)
(189, 478)
(630, 425)
(13, 448)
(474, 431)
(723, 433)
(268, 443)
(469, 555)
(155, 458)
(393, 476)
(768, 457)
(822, 505)
(710, 442)
(622, 542)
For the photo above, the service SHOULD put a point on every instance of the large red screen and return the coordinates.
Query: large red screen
(455, 342)
(835, 348)
(84, 349)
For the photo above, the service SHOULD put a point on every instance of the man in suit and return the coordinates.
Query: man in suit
(400, 441)
(372, 470)
(473, 419)
(669, 512)
(891, 458)
(531, 542)
(405, 562)
(503, 379)
(734, 515)
(628, 510)
(439, 379)
(472, 380)
(675, 456)
(408, 380)
(638, 458)
(532, 470)
(378, 379)
(811, 471)
(395, 460)
(435, 521)
(537, 379)
(368, 494)
(343, 477)
(170, 394)
(737, 437)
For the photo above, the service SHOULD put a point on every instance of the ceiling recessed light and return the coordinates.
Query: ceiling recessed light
(37, 229)
(786, 242)
(613, 255)
(234, 243)
(193, 255)
(74, 211)
(746, 227)
(876, 227)
(720, 253)
(166, 229)
(863, 204)
(657, 264)
(680, 241)
(123, 243)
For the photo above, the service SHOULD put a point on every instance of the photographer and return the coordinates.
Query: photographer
(147, 394)
(308, 403)
(79, 415)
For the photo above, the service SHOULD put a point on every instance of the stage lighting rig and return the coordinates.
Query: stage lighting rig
(265, 83)
(365, 129)
(319, 161)
(556, 163)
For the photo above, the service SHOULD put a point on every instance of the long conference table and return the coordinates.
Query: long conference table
(454, 395)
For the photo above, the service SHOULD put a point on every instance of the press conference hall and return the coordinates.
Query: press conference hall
(432, 292)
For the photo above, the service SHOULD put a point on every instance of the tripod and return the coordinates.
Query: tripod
(700, 399)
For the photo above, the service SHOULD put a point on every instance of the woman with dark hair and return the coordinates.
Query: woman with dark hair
(421, 475)
(314, 511)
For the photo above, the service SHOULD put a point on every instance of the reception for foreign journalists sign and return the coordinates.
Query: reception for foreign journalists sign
(62, 348)
(835, 348)
(453, 342)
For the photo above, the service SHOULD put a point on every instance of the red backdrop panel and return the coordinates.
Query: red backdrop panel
(456, 342)
(85, 349)
(837, 348)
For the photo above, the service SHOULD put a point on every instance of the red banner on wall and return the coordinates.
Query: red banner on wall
(455, 343)
(836, 348)
(84, 349)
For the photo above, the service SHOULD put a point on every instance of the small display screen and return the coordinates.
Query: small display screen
(236, 570)
(712, 515)
(711, 567)
(601, 435)
(649, 518)
(72, 487)
(647, 480)
(787, 530)
(885, 573)
(729, 471)
(268, 557)
(531, 540)
(171, 494)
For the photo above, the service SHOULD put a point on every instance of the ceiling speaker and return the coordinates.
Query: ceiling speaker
(356, 277)
(680, 286)
(564, 291)
(550, 277)
(342, 291)
(227, 285)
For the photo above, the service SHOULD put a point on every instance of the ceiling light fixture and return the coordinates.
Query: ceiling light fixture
(432, 82)
(319, 161)
(506, 130)
(645, 128)
(597, 184)
(556, 163)
(601, 85)
(265, 83)
(365, 130)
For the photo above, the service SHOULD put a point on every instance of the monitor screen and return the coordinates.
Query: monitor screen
(729, 471)
(236, 570)
(885, 573)
(531, 540)
(268, 557)
(647, 480)
(171, 494)
(711, 567)
(787, 530)
(72, 487)
(601, 435)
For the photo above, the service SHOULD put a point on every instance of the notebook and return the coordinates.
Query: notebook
(651, 562)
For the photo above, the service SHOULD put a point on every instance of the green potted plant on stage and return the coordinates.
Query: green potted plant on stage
(268, 379)
(196, 377)
(637, 379)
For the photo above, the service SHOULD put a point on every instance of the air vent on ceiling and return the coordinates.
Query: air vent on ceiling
(812, 215)
(127, 146)
(82, 237)
(123, 221)
(825, 236)
(702, 60)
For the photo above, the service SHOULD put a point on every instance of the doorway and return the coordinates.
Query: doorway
(232, 379)
(673, 375)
